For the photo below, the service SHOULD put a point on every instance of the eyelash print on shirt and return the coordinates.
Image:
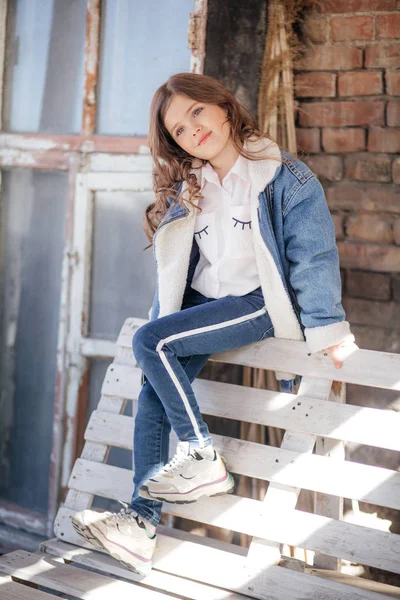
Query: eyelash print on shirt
(199, 108)
(202, 231)
(243, 223)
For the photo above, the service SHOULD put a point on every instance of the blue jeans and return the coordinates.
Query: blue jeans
(171, 351)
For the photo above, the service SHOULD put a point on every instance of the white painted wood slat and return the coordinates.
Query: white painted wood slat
(357, 424)
(325, 504)
(71, 580)
(96, 451)
(162, 582)
(227, 570)
(9, 590)
(295, 528)
(281, 497)
(286, 467)
(364, 367)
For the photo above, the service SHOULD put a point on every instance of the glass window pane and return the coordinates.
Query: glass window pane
(142, 44)
(123, 274)
(32, 239)
(45, 65)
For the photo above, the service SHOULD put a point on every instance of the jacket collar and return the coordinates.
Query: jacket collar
(265, 168)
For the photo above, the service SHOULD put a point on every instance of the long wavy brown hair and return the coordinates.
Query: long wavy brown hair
(172, 164)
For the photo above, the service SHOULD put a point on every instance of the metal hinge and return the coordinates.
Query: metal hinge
(194, 31)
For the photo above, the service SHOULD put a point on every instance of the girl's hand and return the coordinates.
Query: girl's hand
(341, 351)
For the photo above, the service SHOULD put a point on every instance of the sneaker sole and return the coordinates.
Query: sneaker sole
(228, 488)
(86, 533)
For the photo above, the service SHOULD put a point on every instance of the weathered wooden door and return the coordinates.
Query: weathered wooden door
(79, 77)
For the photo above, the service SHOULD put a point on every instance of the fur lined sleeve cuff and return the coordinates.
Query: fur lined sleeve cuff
(320, 338)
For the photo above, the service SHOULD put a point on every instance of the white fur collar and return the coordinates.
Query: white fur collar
(263, 170)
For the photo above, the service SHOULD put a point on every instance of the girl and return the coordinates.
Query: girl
(245, 250)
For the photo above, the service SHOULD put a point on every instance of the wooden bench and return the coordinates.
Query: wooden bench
(191, 566)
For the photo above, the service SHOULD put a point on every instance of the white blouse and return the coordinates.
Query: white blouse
(227, 264)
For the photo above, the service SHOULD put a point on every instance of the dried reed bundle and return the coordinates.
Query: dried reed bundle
(276, 107)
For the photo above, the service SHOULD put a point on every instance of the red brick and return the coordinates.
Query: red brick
(370, 257)
(357, 27)
(371, 228)
(364, 167)
(344, 139)
(384, 140)
(382, 55)
(396, 231)
(367, 312)
(336, 114)
(315, 29)
(364, 197)
(393, 83)
(308, 139)
(393, 113)
(374, 338)
(328, 168)
(344, 6)
(315, 84)
(338, 223)
(339, 57)
(396, 171)
(363, 284)
(361, 83)
(389, 25)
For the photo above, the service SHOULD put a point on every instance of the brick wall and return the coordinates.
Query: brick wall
(348, 124)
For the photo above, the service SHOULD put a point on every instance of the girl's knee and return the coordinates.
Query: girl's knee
(144, 340)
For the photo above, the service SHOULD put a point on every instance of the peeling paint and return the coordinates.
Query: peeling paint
(54, 160)
(62, 373)
(26, 150)
(197, 36)
(91, 65)
(31, 142)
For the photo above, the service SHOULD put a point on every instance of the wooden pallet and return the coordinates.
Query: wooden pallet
(190, 566)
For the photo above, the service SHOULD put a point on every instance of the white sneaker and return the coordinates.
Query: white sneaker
(123, 535)
(191, 474)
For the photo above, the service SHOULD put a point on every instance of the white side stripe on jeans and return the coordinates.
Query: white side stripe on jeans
(184, 334)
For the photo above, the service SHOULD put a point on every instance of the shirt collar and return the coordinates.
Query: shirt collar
(239, 168)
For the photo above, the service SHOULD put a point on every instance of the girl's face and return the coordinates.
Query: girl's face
(200, 128)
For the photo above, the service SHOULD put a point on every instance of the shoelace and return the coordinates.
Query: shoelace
(177, 461)
(124, 513)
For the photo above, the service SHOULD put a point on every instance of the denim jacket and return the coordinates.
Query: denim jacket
(295, 248)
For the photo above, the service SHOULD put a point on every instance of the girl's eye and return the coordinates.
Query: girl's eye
(243, 223)
(195, 113)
